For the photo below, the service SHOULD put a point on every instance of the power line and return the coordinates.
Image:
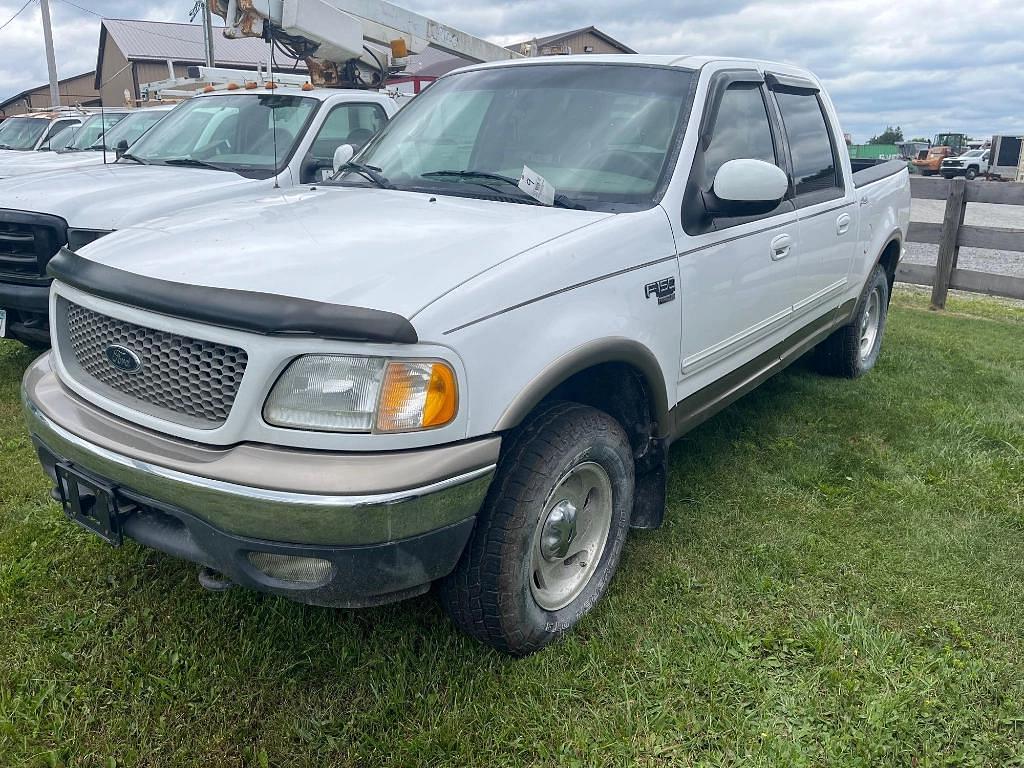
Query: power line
(26, 5)
(87, 10)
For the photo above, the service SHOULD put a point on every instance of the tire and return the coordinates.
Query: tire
(495, 594)
(947, 175)
(852, 350)
(972, 173)
(927, 173)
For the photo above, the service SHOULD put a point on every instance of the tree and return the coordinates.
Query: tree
(889, 136)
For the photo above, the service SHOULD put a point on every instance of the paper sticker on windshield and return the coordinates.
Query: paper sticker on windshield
(536, 186)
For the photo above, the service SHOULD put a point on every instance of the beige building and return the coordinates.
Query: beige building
(586, 40)
(74, 91)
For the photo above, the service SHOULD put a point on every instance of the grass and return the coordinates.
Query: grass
(840, 581)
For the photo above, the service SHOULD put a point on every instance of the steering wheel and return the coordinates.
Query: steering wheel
(633, 165)
(221, 146)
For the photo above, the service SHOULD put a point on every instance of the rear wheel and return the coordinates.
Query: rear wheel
(549, 536)
(852, 350)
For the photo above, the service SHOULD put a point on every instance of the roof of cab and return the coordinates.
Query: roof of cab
(664, 60)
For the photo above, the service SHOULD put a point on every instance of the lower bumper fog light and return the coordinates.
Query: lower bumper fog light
(301, 570)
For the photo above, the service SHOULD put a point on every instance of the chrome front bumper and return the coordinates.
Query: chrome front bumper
(266, 493)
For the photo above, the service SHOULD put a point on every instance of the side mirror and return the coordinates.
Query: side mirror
(121, 148)
(746, 188)
(342, 155)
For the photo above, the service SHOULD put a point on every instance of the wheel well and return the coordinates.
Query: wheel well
(889, 259)
(619, 390)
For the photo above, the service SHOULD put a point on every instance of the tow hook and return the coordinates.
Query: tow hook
(214, 581)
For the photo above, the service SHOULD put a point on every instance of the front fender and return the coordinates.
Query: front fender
(609, 350)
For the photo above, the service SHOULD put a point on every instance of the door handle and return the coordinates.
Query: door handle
(781, 245)
(864, 201)
(843, 224)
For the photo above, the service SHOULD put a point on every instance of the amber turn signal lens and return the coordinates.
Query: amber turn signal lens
(417, 395)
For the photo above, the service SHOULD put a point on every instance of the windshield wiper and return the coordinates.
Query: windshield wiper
(130, 156)
(560, 200)
(368, 172)
(190, 162)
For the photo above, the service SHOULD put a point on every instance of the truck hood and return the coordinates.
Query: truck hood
(119, 195)
(379, 249)
(40, 162)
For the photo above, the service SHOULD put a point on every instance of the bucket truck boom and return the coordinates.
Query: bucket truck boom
(349, 43)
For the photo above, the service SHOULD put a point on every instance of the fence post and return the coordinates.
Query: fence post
(952, 220)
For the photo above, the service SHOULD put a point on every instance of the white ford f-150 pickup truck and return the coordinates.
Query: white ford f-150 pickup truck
(212, 148)
(463, 359)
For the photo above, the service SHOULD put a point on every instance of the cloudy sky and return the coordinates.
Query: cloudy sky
(927, 65)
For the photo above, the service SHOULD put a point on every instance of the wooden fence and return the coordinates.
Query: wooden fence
(952, 233)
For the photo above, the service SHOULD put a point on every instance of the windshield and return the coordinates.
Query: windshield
(89, 132)
(62, 137)
(600, 135)
(253, 134)
(974, 153)
(22, 132)
(130, 128)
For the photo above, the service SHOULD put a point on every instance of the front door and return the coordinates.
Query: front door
(739, 278)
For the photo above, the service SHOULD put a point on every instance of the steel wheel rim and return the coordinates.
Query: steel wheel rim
(571, 535)
(870, 323)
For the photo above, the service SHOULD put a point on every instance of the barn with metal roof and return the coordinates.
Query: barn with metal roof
(133, 52)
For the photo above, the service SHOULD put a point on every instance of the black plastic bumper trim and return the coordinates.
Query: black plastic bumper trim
(25, 298)
(264, 313)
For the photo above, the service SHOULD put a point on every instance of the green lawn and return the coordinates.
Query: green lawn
(839, 582)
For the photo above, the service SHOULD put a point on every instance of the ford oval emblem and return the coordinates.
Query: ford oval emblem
(123, 358)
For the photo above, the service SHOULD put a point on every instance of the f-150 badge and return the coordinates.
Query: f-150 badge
(664, 289)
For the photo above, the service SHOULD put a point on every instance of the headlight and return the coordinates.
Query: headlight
(336, 393)
(80, 237)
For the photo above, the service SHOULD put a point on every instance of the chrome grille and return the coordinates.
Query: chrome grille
(181, 379)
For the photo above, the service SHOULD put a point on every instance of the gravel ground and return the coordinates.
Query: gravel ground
(979, 259)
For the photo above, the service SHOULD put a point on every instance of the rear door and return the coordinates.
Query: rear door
(825, 207)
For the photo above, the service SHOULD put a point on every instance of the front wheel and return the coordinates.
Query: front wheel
(549, 536)
(972, 173)
(852, 350)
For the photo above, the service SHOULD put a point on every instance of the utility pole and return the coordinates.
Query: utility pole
(208, 26)
(51, 62)
(203, 7)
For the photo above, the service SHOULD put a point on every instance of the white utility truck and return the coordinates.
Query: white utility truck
(94, 142)
(464, 359)
(213, 148)
(223, 145)
(34, 130)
